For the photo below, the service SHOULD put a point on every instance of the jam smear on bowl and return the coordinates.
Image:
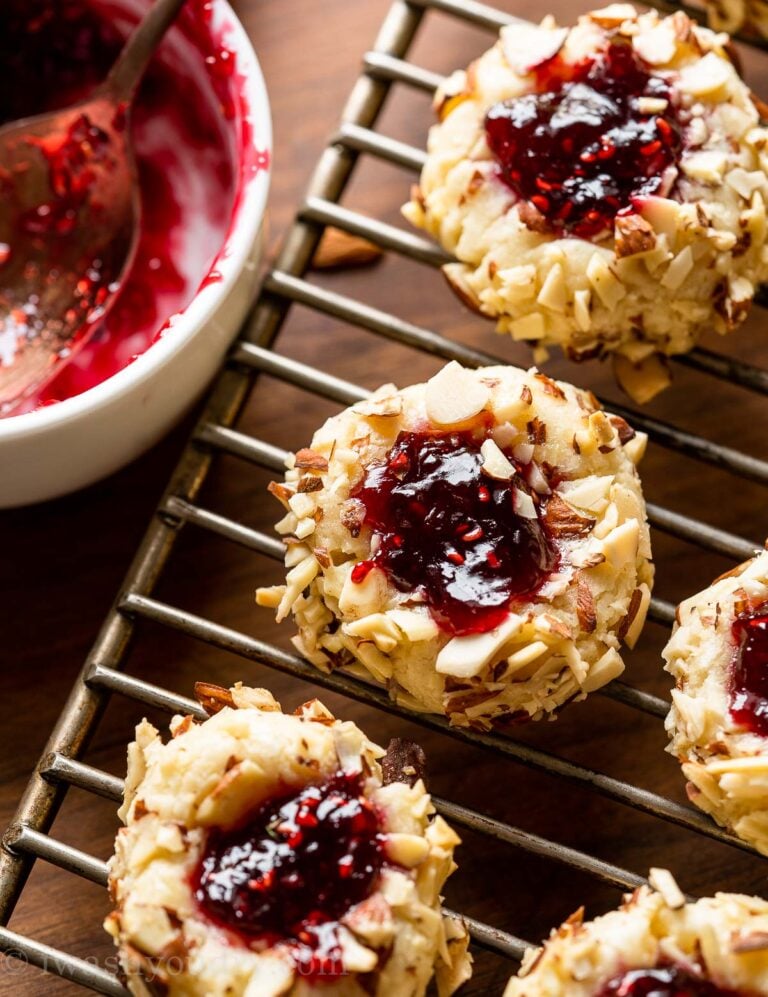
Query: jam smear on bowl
(290, 873)
(664, 981)
(56, 52)
(581, 148)
(749, 670)
(446, 529)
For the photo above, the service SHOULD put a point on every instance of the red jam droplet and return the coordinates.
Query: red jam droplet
(749, 672)
(293, 870)
(447, 530)
(665, 981)
(580, 149)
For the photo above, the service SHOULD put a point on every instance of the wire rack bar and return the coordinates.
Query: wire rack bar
(68, 967)
(61, 768)
(21, 838)
(111, 680)
(229, 528)
(374, 320)
(256, 650)
(493, 939)
(301, 375)
(387, 67)
(110, 787)
(536, 845)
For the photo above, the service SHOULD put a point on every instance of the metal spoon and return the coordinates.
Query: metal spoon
(69, 210)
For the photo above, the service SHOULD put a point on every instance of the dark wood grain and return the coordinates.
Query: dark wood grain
(61, 563)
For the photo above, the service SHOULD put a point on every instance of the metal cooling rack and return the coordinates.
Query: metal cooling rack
(27, 839)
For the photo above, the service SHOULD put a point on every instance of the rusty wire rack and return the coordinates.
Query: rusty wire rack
(28, 838)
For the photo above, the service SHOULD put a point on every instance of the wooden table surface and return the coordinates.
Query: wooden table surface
(62, 562)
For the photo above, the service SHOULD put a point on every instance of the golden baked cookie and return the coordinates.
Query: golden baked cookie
(477, 543)
(657, 944)
(266, 854)
(718, 724)
(747, 16)
(603, 188)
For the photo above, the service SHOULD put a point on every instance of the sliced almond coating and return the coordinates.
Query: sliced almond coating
(747, 764)
(308, 460)
(749, 941)
(523, 504)
(372, 921)
(706, 77)
(652, 105)
(454, 395)
(356, 957)
(310, 483)
(605, 670)
(495, 464)
(529, 327)
(353, 516)
(585, 605)
(381, 408)
(281, 492)
(526, 655)
(451, 92)
(664, 883)
(456, 276)
(662, 214)
(464, 657)
(620, 546)
(244, 785)
(339, 249)
(526, 46)
(376, 627)
(656, 46)
(678, 269)
(414, 624)
(213, 698)
(362, 598)
(581, 300)
(642, 381)
(297, 580)
(302, 504)
(271, 976)
(554, 293)
(270, 596)
(634, 235)
(614, 15)
(407, 850)
(246, 697)
(633, 623)
(563, 520)
(587, 493)
(604, 281)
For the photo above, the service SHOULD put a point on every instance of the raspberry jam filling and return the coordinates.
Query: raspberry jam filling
(664, 981)
(446, 529)
(293, 870)
(749, 671)
(584, 146)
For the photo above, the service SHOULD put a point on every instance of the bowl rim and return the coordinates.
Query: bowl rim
(246, 222)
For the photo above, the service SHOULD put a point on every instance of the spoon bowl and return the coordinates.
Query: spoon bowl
(69, 224)
(67, 233)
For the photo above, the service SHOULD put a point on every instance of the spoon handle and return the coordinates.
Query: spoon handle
(127, 72)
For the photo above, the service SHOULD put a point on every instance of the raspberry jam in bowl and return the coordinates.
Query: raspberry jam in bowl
(202, 136)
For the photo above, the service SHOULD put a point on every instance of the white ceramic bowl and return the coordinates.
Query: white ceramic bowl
(63, 447)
